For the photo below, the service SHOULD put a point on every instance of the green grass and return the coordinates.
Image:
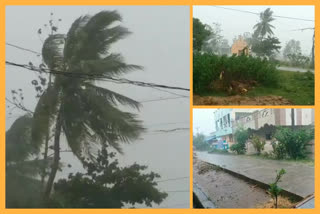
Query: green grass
(297, 87)
(306, 161)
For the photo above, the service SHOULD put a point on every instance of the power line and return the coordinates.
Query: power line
(171, 130)
(98, 77)
(160, 99)
(255, 13)
(178, 191)
(23, 49)
(159, 124)
(302, 29)
(173, 179)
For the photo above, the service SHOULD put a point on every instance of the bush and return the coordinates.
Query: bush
(292, 143)
(208, 67)
(258, 144)
(241, 136)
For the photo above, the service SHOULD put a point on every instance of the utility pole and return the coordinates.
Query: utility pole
(312, 51)
(292, 118)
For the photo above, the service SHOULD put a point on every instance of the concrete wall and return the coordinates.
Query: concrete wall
(238, 46)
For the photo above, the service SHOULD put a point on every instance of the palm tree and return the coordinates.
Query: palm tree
(264, 27)
(73, 105)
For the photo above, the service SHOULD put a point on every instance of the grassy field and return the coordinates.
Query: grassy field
(295, 86)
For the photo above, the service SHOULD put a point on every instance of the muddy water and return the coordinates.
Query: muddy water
(227, 191)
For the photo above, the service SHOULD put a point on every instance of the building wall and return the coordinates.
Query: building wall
(238, 46)
(223, 115)
(278, 117)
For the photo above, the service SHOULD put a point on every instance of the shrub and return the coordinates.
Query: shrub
(207, 68)
(274, 189)
(279, 150)
(241, 136)
(292, 143)
(258, 144)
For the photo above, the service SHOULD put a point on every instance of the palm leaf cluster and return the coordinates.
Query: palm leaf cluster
(264, 27)
(88, 114)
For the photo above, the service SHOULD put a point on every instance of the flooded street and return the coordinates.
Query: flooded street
(227, 191)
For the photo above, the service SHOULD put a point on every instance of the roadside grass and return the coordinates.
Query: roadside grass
(306, 161)
(297, 87)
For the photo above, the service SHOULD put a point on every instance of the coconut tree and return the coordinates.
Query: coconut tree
(262, 28)
(73, 105)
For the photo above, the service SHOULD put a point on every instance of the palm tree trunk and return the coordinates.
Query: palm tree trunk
(45, 158)
(45, 154)
(56, 157)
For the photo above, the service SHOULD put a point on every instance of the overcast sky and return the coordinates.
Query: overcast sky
(203, 121)
(234, 23)
(159, 42)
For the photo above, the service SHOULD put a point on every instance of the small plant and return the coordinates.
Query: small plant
(274, 189)
(258, 144)
(241, 137)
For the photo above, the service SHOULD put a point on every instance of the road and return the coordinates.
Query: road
(284, 68)
(299, 177)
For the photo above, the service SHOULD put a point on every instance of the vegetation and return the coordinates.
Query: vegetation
(292, 143)
(199, 142)
(241, 136)
(266, 47)
(200, 34)
(211, 71)
(106, 185)
(274, 189)
(263, 28)
(23, 190)
(78, 108)
(90, 119)
(258, 144)
(293, 56)
(298, 87)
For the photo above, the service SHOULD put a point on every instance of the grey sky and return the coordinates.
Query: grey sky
(234, 23)
(203, 121)
(159, 42)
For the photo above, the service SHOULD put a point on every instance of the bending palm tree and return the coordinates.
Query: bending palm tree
(74, 105)
(264, 27)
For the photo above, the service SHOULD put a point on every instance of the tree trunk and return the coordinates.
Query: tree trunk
(45, 158)
(46, 147)
(56, 157)
(276, 201)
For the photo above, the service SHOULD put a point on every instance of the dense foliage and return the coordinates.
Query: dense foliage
(199, 142)
(200, 34)
(106, 185)
(241, 136)
(266, 47)
(258, 144)
(207, 68)
(292, 143)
